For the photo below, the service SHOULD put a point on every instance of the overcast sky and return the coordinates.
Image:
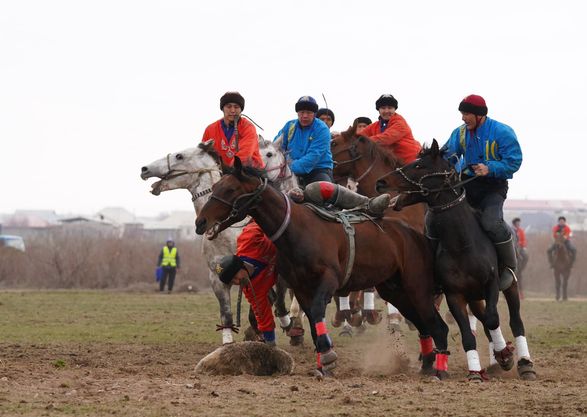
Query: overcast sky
(91, 91)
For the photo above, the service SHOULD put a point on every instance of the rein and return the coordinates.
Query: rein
(251, 199)
(355, 156)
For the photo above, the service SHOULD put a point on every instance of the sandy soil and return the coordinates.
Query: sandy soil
(378, 378)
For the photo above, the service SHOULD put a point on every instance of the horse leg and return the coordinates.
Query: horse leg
(285, 321)
(397, 296)
(318, 313)
(296, 332)
(478, 310)
(525, 364)
(372, 316)
(557, 283)
(458, 307)
(222, 293)
(504, 352)
(566, 275)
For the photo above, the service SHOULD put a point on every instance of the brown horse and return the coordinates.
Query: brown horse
(313, 256)
(561, 265)
(466, 262)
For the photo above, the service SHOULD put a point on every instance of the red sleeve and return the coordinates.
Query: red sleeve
(370, 130)
(396, 129)
(248, 145)
(567, 232)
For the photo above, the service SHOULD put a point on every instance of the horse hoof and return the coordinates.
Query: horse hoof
(428, 364)
(478, 376)
(346, 331)
(373, 317)
(526, 370)
(442, 375)
(356, 319)
(329, 367)
(328, 357)
(296, 340)
(505, 357)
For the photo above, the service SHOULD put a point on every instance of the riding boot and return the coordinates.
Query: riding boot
(506, 256)
(323, 192)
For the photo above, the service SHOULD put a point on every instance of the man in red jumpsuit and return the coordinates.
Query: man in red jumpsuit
(253, 267)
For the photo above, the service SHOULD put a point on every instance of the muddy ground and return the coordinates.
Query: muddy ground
(138, 379)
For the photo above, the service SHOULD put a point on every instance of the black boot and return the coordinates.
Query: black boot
(506, 257)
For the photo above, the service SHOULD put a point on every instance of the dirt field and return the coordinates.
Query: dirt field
(133, 354)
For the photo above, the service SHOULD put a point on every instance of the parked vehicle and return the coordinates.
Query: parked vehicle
(12, 241)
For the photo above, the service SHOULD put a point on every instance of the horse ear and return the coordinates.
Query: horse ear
(434, 148)
(238, 165)
(278, 142)
(207, 146)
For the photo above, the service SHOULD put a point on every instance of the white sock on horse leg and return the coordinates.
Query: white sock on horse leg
(522, 347)
(227, 336)
(344, 303)
(492, 360)
(473, 360)
(391, 309)
(369, 300)
(284, 321)
(473, 323)
(497, 339)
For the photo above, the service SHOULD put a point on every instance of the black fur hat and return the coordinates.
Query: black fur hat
(228, 267)
(232, 97)
(386, 100)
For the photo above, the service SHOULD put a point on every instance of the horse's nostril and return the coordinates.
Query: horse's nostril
(144, 169)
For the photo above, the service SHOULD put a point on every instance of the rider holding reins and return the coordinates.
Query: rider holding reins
(562, 229)
(488, 150)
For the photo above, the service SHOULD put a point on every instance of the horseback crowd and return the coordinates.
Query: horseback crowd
(481, 147)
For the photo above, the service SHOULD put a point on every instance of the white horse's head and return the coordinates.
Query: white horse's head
(276, 164)
(192, 168)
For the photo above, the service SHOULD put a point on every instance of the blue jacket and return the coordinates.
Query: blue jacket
(494, 144)
(307, 147)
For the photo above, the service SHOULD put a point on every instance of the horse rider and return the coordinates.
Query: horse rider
(306, 142)
(360, 124)
(392, 132)
(327, 116)
(233, 134)
(521, 243)
(489, 151)
(562, 229)
(253, 268)
(170, 262)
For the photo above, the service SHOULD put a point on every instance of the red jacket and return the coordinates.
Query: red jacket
(566, 231)
(253, 246)
(248, 143)
(521, 237)
(397, 138)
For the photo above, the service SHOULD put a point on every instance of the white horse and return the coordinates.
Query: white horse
(196, 170)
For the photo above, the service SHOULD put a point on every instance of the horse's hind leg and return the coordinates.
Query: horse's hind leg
(525, 364)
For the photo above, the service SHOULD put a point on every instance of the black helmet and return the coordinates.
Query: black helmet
(228, 267)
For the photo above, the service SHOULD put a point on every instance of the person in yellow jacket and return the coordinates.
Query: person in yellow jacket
(169, 261)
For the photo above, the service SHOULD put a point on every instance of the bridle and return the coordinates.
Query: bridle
(355, 156)
(283, 171)
(248, 201)
(448, 184)
(178, 173)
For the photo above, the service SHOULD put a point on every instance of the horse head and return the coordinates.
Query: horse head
(191, 169)
(237, 192)
(421, 181)
(276, 165)
(344, 152)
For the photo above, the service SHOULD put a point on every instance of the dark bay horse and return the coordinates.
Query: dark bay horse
(466, 261)
(561, 266)
(313, 255)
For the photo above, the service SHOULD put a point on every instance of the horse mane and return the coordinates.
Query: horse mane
(208, 147)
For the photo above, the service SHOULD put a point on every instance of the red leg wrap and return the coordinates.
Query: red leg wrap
(321, 328)
(442, 362)
(327, 190)
(318, 362)
(426, 345)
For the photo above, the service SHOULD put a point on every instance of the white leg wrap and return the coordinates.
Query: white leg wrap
(344, 303)
(497, 339)
(284, 321)
(522, 347)
(473, 360)
(492, 360)
(227, 336)
(369, 300)
(473, 323)
(391, 309)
